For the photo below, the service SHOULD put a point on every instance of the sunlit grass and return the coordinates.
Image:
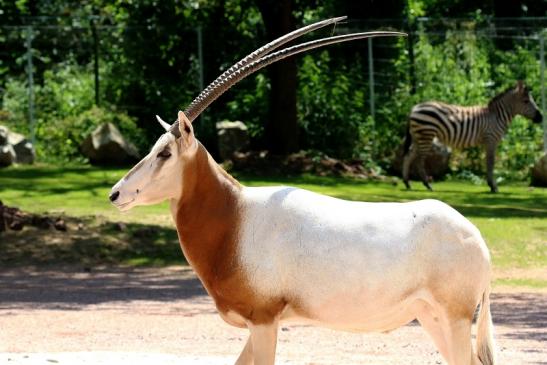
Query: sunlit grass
(513, 222)
(76, 191)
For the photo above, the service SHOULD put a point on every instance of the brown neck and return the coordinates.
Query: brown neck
(207, 217)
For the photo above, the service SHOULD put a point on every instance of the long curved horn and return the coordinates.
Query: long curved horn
(274, 45)
(221, 85)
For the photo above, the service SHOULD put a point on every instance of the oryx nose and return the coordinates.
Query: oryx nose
(114, 196)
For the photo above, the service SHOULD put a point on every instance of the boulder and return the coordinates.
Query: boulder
(232, 137)
(23, 149)
(24, 152)
(106, 146)
(7, 155)
(15, 138)
(436, 163)
(539, 171)
(3, 135)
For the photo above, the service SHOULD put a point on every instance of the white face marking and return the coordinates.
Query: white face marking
(157, 177)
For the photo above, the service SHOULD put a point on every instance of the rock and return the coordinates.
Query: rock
(7, 155)
(106, 146)
(232, 137)
(16, 225)
(22, 148)
(42, 222)
(539, 171)
(60, 225)
(14, 138)
(24, 152)
(3, 135)
(436, 163)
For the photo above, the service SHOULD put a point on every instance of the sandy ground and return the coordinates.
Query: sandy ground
(64, 315)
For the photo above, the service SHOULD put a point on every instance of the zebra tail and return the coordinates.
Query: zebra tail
(408, 140)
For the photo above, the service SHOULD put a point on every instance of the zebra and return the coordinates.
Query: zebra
(465, 126)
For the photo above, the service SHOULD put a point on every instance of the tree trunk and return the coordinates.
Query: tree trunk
(281, 129)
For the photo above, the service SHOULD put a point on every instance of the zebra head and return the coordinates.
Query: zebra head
(524, 103)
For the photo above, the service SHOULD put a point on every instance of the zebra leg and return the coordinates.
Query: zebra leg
(407, 162)
(490, 161)
(421, 171)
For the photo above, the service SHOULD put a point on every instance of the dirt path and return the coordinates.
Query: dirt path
(162, 316)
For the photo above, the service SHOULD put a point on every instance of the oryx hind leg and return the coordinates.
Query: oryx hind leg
(450, 332)
(458, 337)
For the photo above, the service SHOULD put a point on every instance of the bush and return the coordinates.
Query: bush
(66, 90)
(64, 113)
(330, 108)
(61, 142)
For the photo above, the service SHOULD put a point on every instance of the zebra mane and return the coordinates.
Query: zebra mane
(500, 96)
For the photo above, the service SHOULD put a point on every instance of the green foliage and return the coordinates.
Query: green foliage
(520, 149)
(330, 108)
(60, 142)
(251, 107)
(148, 56)
(462, 68)
(64, 113)
(66, 90)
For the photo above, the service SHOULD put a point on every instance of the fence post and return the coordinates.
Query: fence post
(95, 59)
(411, 59)
(371, 78)
(30, 72)
(542, 81)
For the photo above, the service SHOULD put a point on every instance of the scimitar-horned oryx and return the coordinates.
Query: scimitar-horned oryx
(272, 254)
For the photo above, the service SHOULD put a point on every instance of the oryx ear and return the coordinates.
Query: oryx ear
(163, 123)
(185, 128)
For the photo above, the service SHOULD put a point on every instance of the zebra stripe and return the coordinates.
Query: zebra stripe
(466, 126)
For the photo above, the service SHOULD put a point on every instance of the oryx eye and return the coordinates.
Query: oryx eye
(165, 154)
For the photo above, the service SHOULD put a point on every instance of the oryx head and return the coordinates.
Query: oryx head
(524, 103)
(158, 176)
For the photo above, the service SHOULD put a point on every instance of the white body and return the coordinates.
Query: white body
(378, 257)
(272, 254)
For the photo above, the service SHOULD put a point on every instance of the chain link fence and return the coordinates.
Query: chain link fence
(36, 52)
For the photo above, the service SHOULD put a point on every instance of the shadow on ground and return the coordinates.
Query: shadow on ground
(75, 288)
(527, 312)
(91, 241)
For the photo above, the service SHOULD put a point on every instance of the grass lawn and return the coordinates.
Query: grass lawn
(513, 222)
